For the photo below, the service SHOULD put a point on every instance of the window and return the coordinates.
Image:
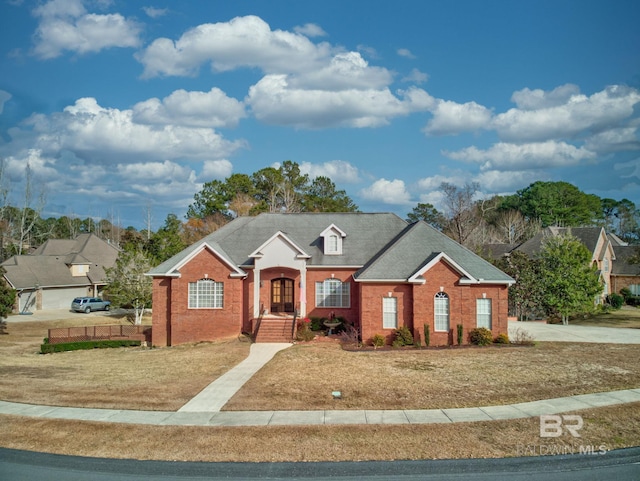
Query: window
(389, 313)
(333, 293)
(635, 289)
(483, 313)
(441, 312)
(205, 294)
(606, 265)
(332, 244)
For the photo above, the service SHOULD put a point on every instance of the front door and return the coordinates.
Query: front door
(282, 295)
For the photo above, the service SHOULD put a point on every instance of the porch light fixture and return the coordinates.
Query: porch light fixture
(336, 395)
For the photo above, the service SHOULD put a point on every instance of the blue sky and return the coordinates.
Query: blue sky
(123, 106)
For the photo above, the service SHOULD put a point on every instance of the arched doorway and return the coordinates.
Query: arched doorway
(282, 295)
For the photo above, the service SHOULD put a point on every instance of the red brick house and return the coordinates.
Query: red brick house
(376, 270)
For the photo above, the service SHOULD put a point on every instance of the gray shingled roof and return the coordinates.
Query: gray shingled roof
(48, 265)
(622, 266)
(587, 235)
(417, 245)
(397, 249)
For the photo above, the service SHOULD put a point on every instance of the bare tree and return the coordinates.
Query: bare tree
(30, 214)
(461, 211)
(148, 219)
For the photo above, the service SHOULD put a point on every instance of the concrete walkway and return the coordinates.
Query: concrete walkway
(541, 331)
(326, 417)
(218, 393)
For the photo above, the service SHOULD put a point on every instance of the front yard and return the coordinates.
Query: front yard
(303, 376)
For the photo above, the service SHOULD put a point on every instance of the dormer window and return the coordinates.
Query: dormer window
(332, 244)
(332, 239)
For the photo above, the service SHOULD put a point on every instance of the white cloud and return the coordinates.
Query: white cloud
(216, 169)
(508, 156)
(66, 25)
(193, 109)
(416, 76)
(110, 135)
(242, 42)
(344, 71)
(527, 99)
(155, 171)
(387, 191)
(614, 140)
(577, 115)
(4, 97)
(43, 168)
(497, 181)
(338, 171)
(450, 118)
(405, 52)
(274, 101)
(310, 30)
(155, 12)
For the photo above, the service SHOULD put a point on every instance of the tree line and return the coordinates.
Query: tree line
(467, 217)
(476, 221)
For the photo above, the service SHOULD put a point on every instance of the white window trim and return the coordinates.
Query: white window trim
(389, 308)
(217, 294)
(323, 292)
(481, 314)
(441, 295)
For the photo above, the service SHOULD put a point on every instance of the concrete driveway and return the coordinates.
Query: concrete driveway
(559, 333)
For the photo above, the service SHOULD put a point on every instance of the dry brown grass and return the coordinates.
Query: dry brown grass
(304, 376)
(126, 378)
(612, 427)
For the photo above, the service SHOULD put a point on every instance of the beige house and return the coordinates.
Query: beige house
(60, 270)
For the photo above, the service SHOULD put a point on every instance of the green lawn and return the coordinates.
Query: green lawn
(628, 317)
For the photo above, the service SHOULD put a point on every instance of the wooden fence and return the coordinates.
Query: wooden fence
(99, 333)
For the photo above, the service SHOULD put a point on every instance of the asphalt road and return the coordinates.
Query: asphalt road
(621, 465)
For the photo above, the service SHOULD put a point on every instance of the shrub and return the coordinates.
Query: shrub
(427, 338)
(304, 332)
(397, 343)
(460, 331)
(521, 337)
(377, 341)
(47, 348)
(502, 338)
(317, 323)
(403, 336)
(416, 340)
(350, 336)
(616, 300)
(480, 336)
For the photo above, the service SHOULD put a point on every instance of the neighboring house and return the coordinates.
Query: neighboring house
(375, 270)
(60, 270)
(625, 273)
(595, 239)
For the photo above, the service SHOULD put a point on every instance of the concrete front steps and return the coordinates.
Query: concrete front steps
(275, 329)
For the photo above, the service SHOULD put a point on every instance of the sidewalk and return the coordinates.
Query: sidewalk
(327, 417)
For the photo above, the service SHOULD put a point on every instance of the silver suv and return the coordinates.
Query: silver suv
(88, 304)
